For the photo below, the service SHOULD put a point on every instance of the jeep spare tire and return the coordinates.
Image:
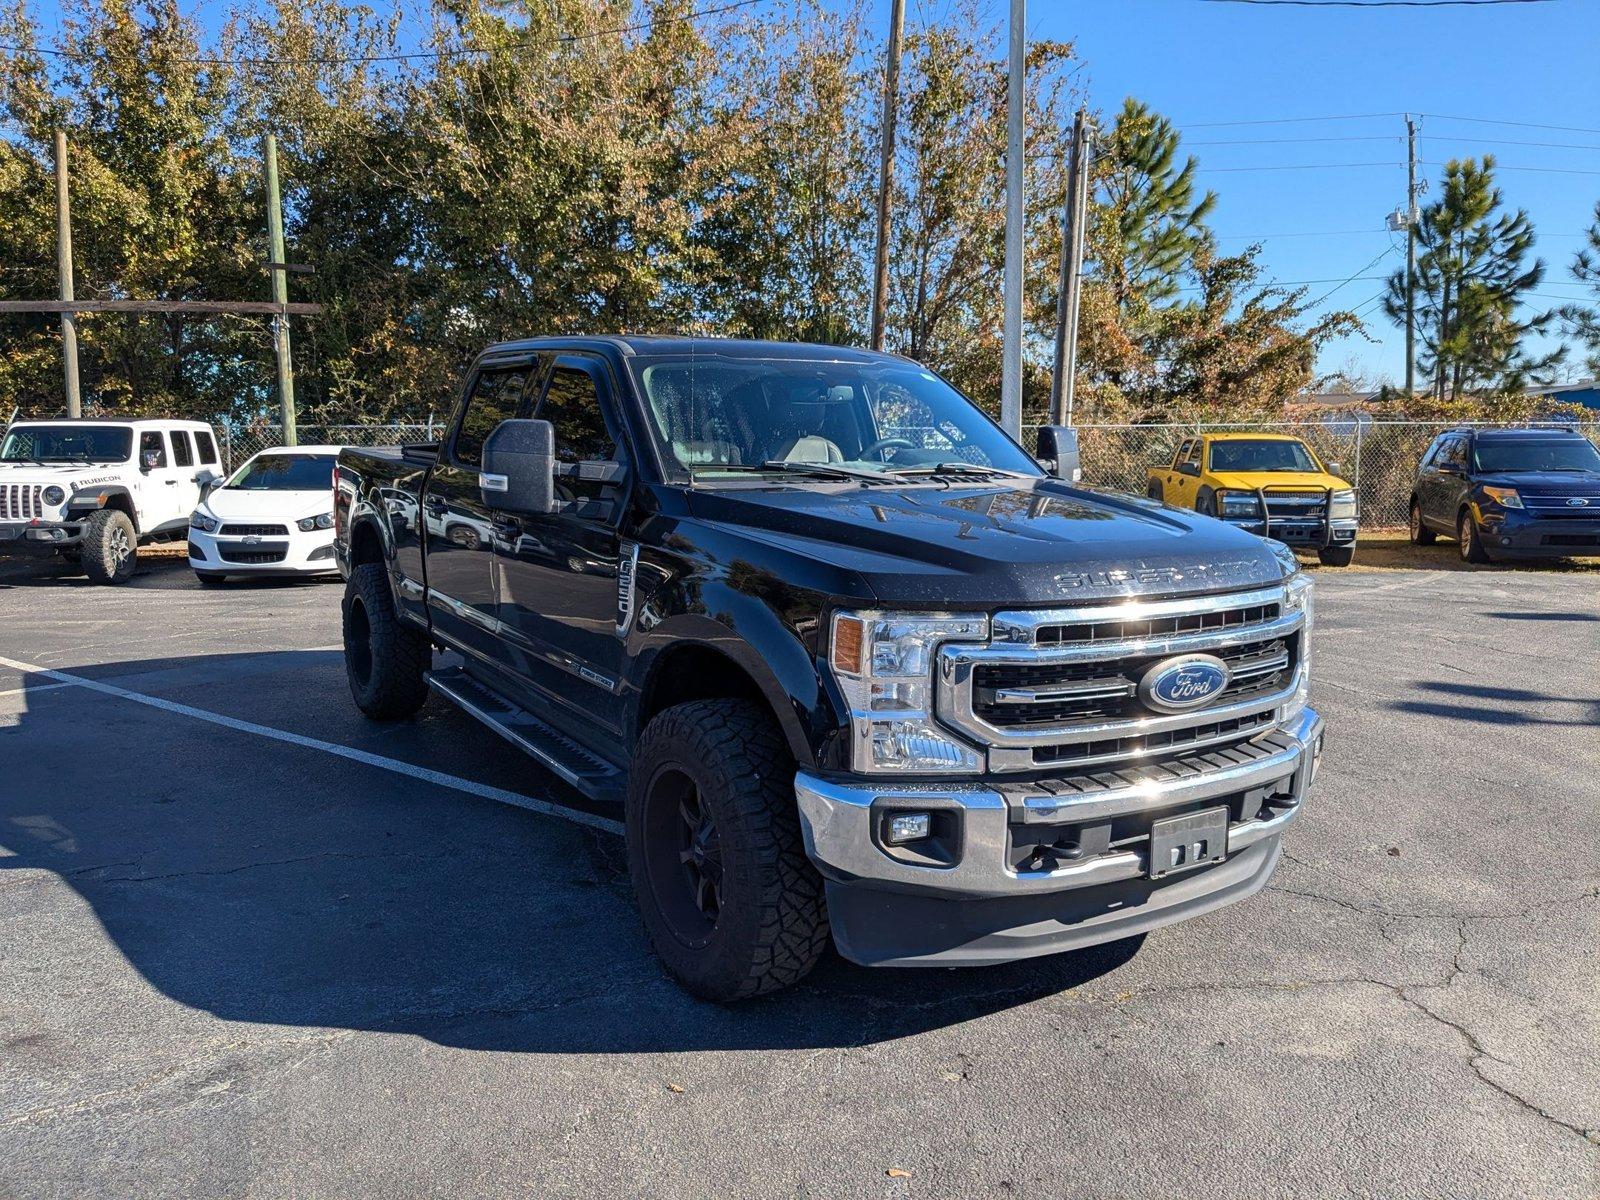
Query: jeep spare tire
(109, 547)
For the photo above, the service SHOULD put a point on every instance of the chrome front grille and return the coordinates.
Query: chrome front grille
(20, 501)
(1296, 506)
(1061, 686)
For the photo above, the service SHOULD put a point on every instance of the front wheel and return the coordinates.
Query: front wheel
(1155, 492)
(1472, 548)
(109, 547)
(210, 578)
(732, 904)
(1336, 556)
(385, 659)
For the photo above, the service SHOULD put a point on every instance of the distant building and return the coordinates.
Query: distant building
(1585, 392)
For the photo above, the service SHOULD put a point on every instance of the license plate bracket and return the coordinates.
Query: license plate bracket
(1195, 839)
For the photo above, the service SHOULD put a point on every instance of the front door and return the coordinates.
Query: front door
(161, 492)
(457, 527)
(559, 571)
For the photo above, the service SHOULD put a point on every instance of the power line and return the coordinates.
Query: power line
(1518, 124)
(1293, 120)
(1366, 137)
(458, 52)
(1304, 166)
(1541, 170)
(1440, 137)
(1358, 275)
(1250, 237)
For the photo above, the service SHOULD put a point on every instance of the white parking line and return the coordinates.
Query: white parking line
(426, 775)
(43, 687)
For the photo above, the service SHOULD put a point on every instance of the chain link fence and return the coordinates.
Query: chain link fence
(1379, 457)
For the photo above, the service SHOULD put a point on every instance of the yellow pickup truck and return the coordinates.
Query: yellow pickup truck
(1271, 484)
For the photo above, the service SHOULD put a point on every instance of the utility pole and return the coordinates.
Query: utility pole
(891, 105)
(278, 266)
(1011, 352)
(1074, 216)
(1411, 255)
(69, 320)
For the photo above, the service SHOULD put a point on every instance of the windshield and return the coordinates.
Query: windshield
(1552, 454)
(285, 473)
(67, 443)
(716, 416)
(1267, 454)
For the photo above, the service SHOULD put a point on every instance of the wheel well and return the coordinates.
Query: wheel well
(365, 544)
(694, 672)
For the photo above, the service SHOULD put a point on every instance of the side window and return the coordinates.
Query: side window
(496, 396)
(182, 450)
(1454, 453)
(572, 404)
(152, 443)
(1430, 454)
(1192, 458)
(1183, 451)
(207, 447)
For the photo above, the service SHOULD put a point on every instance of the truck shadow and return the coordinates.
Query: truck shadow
(1486, 704)
(289, 886)
(157, 572)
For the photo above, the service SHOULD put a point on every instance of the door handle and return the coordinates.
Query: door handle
(171, 482)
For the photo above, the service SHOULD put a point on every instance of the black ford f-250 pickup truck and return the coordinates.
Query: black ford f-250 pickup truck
(846, 657)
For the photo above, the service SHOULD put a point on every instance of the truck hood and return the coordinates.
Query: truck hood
(70, 476)
(1249, 481)
(1028, 543)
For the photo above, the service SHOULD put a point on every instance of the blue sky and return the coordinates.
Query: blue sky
(1202, 64)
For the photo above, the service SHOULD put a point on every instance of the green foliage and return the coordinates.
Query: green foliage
(1472, 275)
(595, 166)
(1581, 320)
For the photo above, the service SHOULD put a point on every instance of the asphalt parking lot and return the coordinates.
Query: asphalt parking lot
(253, 944)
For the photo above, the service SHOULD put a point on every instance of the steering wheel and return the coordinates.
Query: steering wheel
(886, 443)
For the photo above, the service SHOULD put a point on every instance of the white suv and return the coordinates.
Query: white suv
(90, 491)
(273, 516)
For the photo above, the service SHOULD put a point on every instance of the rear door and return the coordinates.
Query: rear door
(458, 528)
(1186, 479)
(560, 599)
(1444, 482)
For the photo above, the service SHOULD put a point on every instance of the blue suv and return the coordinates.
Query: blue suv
(1509, 493)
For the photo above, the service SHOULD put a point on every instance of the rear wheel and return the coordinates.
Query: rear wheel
(385, 659)
(109, 547)
(1421, 535)
(732, 904)
(1472, 548)
(1336, 556)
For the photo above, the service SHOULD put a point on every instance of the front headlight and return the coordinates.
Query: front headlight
(203, 521)
(1504, 497)
(53, 495)
(1300, 596)
(307, 524)
(1238, 504)
(1344, 504)
(884, 663)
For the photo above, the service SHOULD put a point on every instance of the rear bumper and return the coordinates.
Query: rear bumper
(985, 905)
(38, 539)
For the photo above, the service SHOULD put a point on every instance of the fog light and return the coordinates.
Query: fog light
(908, 827)
(1505, 541)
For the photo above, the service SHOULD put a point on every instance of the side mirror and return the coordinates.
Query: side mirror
(1335, 468)
(1058, 452)
(519, 467)
(1188, 468)
(149, 460)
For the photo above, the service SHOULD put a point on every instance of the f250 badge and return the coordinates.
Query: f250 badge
(627, 573)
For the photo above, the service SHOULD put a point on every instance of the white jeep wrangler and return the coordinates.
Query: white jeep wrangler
(90, 491)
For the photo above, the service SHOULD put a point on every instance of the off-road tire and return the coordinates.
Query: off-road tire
(1471, 545)
(1156, 492)
(1336, 556)
(772, 923)
(210, 578)
(1421, 535)
(385, 659)
(109, 547)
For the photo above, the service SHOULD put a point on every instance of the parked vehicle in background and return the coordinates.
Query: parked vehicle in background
(841, 654)
(91, 491)
(1509, 493)
(273, 516)
(1270, 484)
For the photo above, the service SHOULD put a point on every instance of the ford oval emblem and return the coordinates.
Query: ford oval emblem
(1182, 683)
(1577, 502)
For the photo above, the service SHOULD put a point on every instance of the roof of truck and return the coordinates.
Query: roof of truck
(162, 422)
(1251, 437)
(670, 346)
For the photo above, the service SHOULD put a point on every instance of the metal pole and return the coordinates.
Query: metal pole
(280, 294)
(69, 321)
(891, 104)
(1411, 255)
(1071, 292)
(1011, 353)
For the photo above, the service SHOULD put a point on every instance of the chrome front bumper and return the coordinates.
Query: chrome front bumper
(842, 821)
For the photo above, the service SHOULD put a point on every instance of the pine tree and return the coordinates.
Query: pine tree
(1583, 321)
(1472, 275)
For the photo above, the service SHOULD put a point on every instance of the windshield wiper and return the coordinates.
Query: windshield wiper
(775, 466)
(959, 468)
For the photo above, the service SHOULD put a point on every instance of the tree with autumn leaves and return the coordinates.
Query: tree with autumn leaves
(492, 170)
